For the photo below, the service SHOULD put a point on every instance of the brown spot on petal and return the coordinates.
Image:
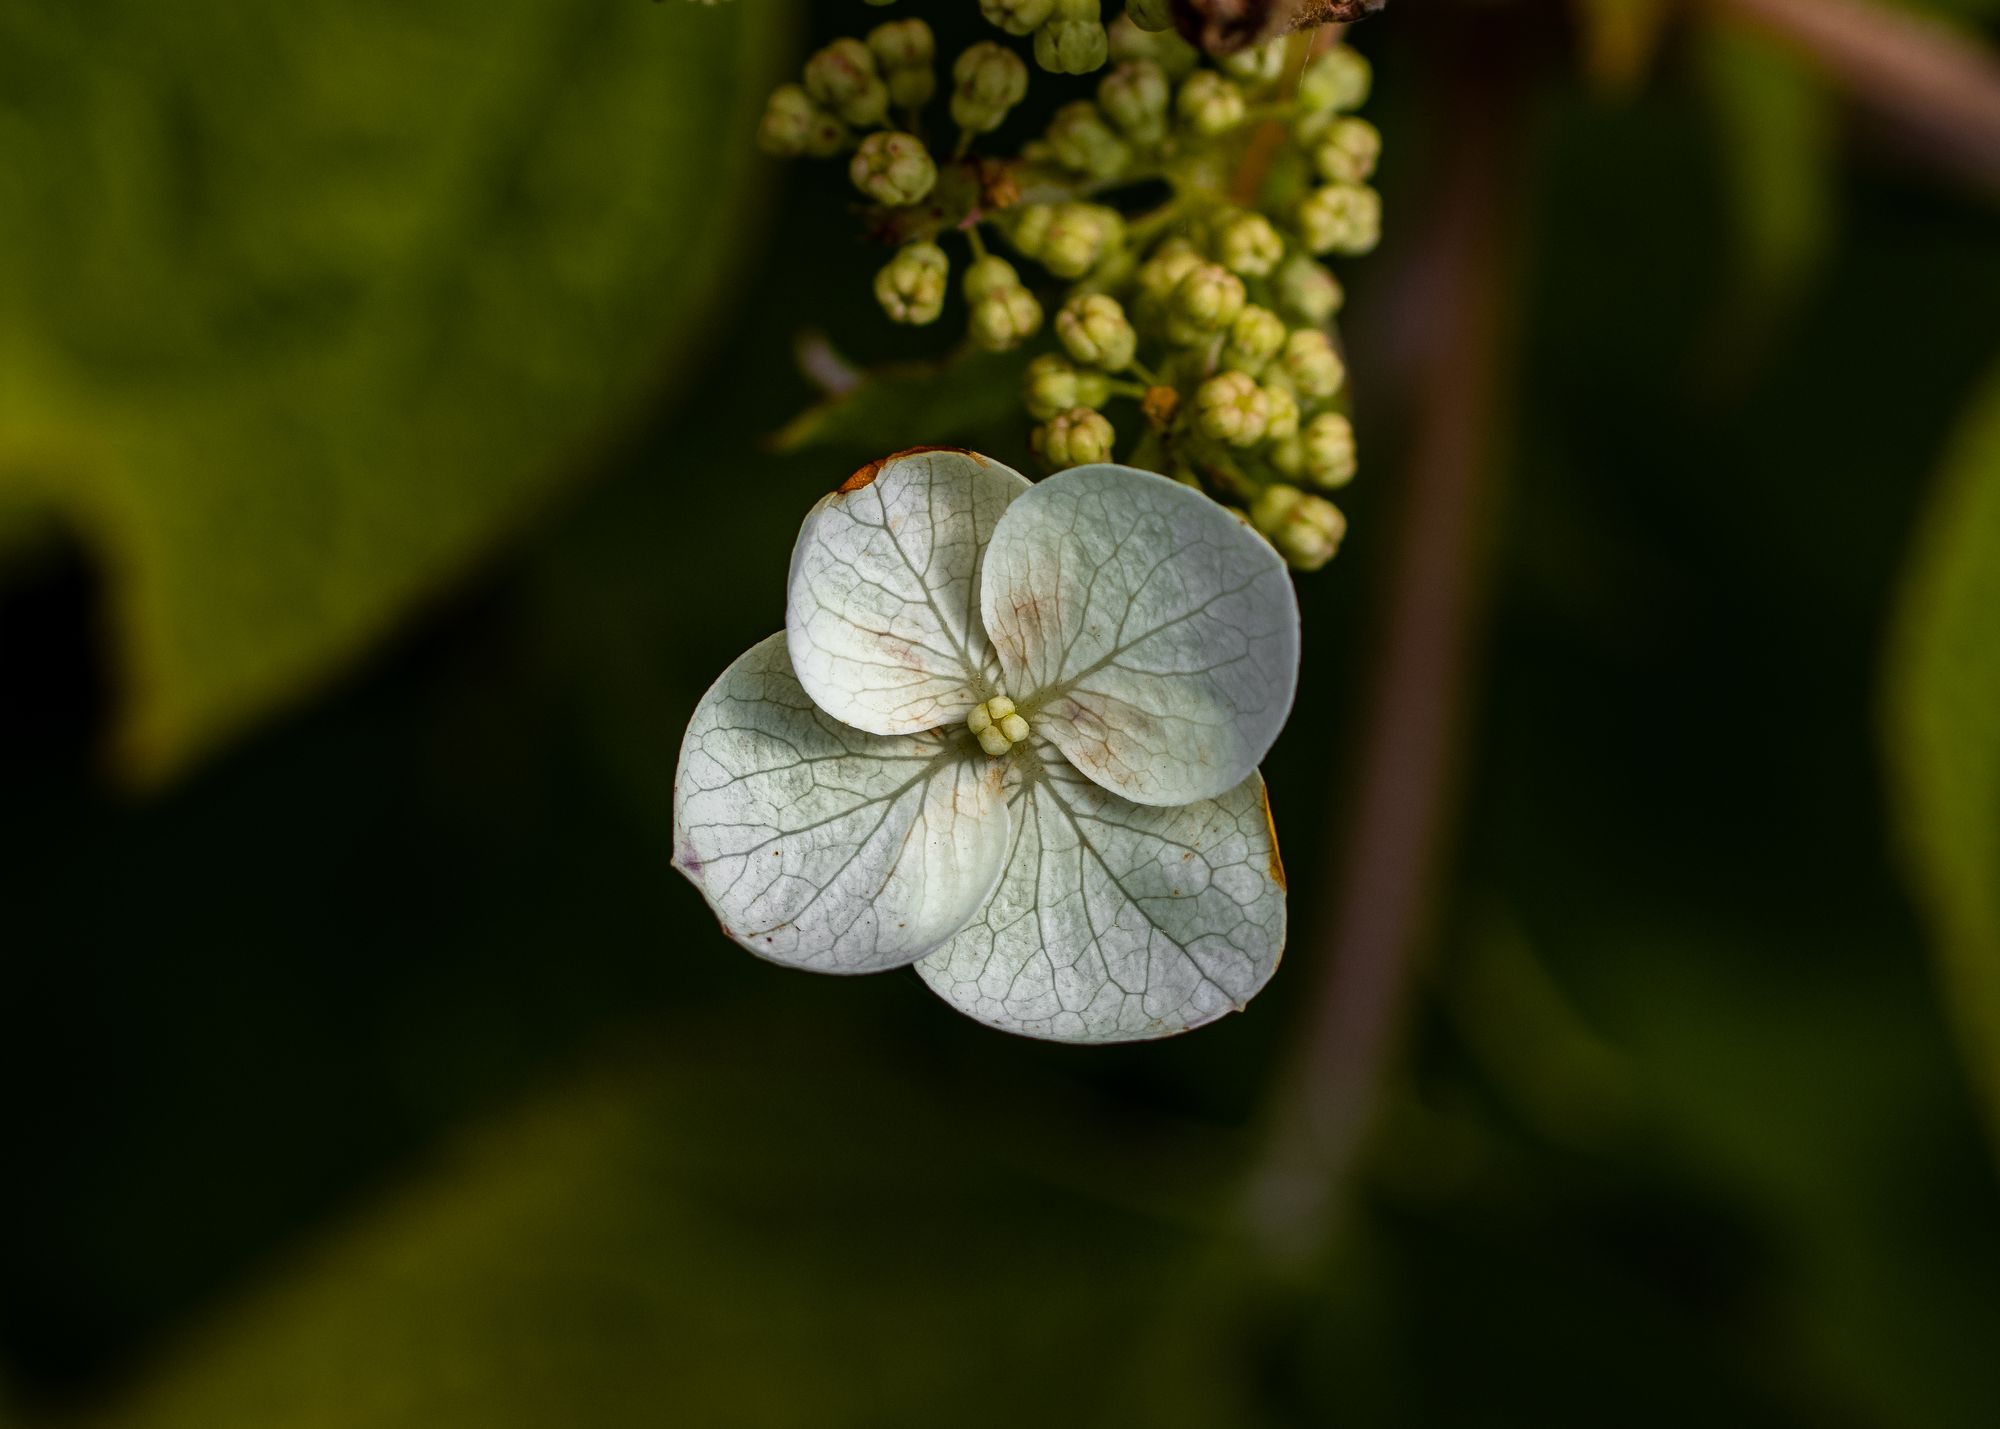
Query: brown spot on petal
(867, 474)
(1277, 863)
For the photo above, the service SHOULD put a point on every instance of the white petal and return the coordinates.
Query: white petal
(1117, 921)
(1145, 630)
(883, 608)
(823, 847)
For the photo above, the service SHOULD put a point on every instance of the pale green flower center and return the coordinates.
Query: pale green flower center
(997, 725)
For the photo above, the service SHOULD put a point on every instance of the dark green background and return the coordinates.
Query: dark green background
(377, 1070)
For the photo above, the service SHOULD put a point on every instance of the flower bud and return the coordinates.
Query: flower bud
(1160, 274)
(1306, 529)
(989, 275)
(1028, 228)
(1306, 291)
(1329, 451)
(1135, 96)
(1052, 385)
(904, 51)
(1341, 218)
(794, 125)
(1256, 64)
(1204, 302)
(1249, 245)
(1005, 317)
(989, 79)
(1084, 143)
(1209, 103)
(1077, 236)
(1231, 407)
(910, 287)
(1314, 368)
(1151, 14)
(1338, 80)
(1163, 47)
(1095, 331)
(1017, 17)
(842, 77)
(1254, 339)
(1073, 42)
(1282, 424)
(893, 168)
(1073, 438)
(1348, 151)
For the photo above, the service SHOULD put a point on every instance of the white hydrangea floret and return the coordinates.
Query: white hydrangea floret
(1010, 735)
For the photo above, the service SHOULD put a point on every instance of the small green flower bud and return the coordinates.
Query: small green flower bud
(989, 80)
(902, 44)
(1249, 245)
(1329, 451)
(1306, 529)
(1029, 228)
(1074, 41)
(842, 77)
(1005, 317)
(794, 125)
(1095, 331)
(1085, 144)
(1160, 274)
(1076, 236)
(1052, 385)
(1231, 407)
(893, 168)
(1306, 291)
(1204, 302)
(1135, 95)
(1164, 47)
(1338, 80)
(1283, 422)
(1150, 14)
(989, 275)
(910, 287)
(1348, 151)
(1073, 438)
(1017, 17)
(1314, 368)
(1341, 218)
(1254, 339)
(1209, 103)
(1257, 64)
(904, 50)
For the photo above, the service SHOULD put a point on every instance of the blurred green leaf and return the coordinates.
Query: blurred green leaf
(1620, 38)
(302, 307)
(1944, 728)
(915, 404)
(1777, 150)
(712, 1240)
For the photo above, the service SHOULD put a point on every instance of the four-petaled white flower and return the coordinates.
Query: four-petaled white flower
(1010, 734)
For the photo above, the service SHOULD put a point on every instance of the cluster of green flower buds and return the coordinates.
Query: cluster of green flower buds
(1211, 314)
(1069, 34)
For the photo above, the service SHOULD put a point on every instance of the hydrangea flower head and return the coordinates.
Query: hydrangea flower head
(1010, 735)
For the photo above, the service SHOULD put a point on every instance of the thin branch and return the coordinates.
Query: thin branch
(1402, 812)
(1937, 80)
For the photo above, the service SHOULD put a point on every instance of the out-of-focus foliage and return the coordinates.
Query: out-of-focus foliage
(1944, 721)
(302, 306)
(914, 404)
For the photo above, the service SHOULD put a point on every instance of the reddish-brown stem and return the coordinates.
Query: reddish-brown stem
(1400, 816)
(1936, 80)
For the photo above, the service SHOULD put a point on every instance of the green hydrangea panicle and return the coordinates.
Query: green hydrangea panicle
(1248, 244)
(1230, 407)
(1005, 317)
(1256, 65)
(1074, 237)
(1282, 406)
(1073, 39)
(1255, 337)
(1306, 291)
(1081, 141)
(1151, 15)
(1340, 218)
(842, 77)
(1337, 81)
(793, 126)
(905, 52)
(1204, 302)
(1314, 368)
(1210, 104)
(1348, 151)
(1136, 97)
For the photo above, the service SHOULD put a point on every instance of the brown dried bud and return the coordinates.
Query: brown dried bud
(1222, 27)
